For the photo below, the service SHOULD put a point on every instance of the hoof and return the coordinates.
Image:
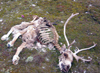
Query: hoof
(4, 37)
(15, 59)
(9, 45)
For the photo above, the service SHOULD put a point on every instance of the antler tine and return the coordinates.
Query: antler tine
(85, 60)
(84, 49)
(65, 27)
(81, 58)
(71, 44)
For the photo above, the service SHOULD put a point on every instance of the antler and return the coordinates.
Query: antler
(71, 44)
(81, 58)
(78, 57)
(65, 27)
(84, 49)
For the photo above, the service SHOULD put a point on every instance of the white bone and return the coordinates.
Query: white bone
(4, 37)
(15, 59)
(71, 44)
(9, 44)
(85, 49)
(81, 58)
(78, 57)
(65, 27)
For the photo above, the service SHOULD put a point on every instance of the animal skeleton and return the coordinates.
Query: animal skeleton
(40, 33)
(37, 33)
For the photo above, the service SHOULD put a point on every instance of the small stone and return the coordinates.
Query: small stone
(33, 5)
(90, 5)
(43, 67)
(62, 21)
(47, 59)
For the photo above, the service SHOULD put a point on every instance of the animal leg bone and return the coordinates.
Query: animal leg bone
(5, 37)
(15, 59)
(16, 56)
(11, 43)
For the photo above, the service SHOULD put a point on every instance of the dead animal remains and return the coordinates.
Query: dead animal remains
(40, 33)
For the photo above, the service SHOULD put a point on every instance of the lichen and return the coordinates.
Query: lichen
(29, 59)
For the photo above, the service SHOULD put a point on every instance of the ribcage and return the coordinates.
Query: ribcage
(45, 34)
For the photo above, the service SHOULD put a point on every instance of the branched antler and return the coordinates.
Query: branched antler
(79, 50)
(65, 27)
(81, 58)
